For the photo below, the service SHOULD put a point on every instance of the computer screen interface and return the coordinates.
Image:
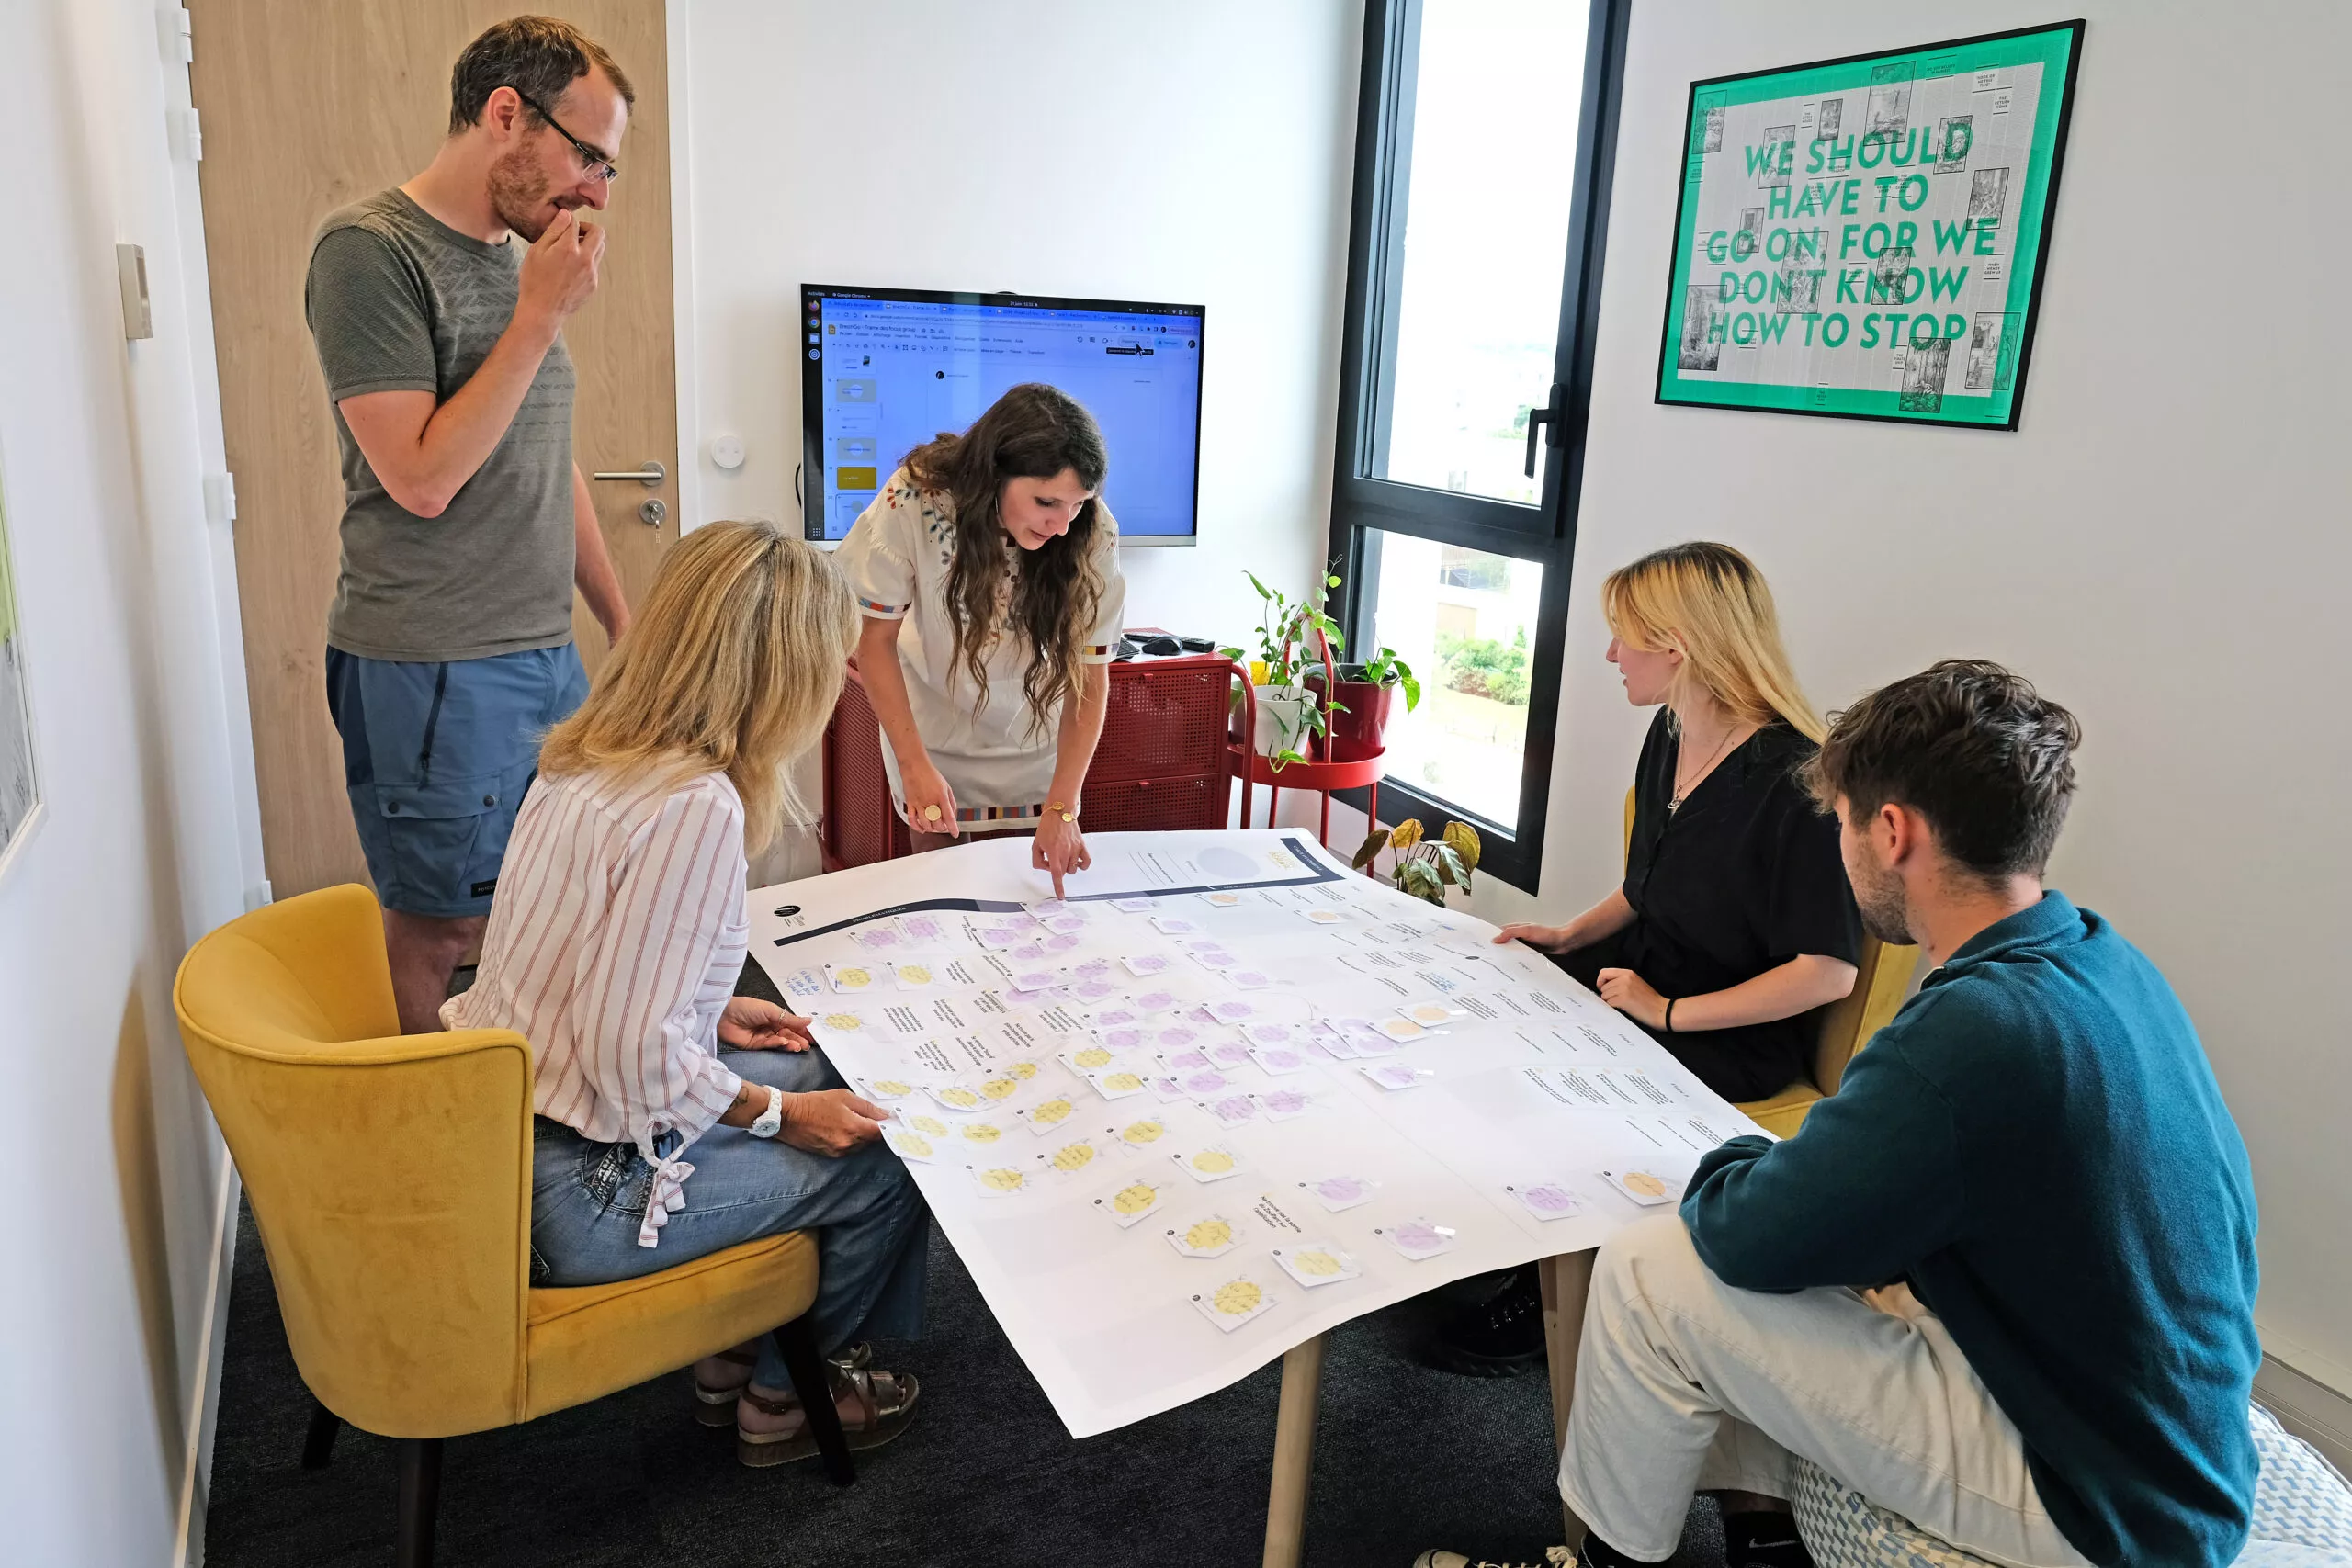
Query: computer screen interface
(887, 370)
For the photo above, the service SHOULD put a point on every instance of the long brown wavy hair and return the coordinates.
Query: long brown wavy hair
(1033, 432)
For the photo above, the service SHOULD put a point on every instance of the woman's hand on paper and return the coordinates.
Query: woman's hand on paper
(748, 1023)
(830, 1122)
(1058, 849)
(1544, 938)
(1633, 995)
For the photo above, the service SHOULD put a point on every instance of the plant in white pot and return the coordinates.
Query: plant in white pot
(1290, 638)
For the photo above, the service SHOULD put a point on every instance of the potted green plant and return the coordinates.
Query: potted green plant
(1363, 696)
(1424, 867)
(1289, 716)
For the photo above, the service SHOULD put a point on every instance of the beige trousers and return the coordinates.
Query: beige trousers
(1686, 1384)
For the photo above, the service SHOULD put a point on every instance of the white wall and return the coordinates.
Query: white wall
(2162, 546)
(1052, 146)
(1201, 155)
(107, 1330)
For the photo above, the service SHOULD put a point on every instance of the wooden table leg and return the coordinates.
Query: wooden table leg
(1293, 1454)
(1563, 1281)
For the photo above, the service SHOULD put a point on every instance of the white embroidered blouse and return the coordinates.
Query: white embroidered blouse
(999, 764)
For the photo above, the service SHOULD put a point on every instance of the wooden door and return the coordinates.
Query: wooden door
(306, 108)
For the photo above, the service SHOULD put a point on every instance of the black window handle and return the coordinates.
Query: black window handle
(1549, 414)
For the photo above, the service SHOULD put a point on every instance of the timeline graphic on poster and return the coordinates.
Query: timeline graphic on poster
(1864, 237)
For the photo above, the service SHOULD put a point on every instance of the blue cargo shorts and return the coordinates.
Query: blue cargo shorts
(436, 759)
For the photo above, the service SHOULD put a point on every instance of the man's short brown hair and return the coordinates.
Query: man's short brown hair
(539, 57)
(1968, 745)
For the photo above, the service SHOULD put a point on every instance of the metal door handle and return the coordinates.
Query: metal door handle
(650, 475)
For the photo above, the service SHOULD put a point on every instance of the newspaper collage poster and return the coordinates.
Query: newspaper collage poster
(1864, 237)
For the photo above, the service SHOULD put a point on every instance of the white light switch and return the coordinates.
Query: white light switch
(727, 451)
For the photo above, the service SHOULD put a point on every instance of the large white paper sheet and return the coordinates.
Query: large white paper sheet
(1172, 1139)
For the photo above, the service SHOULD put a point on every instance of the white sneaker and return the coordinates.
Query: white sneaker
(1553, 1557)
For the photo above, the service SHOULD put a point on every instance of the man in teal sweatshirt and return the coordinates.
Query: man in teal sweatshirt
(2002, 1283)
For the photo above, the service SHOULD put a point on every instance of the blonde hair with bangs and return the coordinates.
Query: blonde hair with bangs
(732, 665)
(1710, 604)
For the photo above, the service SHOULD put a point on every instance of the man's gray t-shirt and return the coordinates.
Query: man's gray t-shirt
(399, 302)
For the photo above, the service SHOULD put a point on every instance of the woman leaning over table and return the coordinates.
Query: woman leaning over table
(615, 938)
(987, 570)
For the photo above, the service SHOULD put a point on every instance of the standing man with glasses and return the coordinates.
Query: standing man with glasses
(466, 523)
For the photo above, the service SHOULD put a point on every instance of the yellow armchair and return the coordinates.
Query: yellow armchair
(390, 1179)
(1882, 977)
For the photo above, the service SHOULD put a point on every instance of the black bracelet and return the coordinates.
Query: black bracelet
(1669, 1015)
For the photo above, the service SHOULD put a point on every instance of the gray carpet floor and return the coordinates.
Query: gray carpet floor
(1405, 1458)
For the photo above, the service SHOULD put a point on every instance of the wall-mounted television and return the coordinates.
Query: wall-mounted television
(885, 370)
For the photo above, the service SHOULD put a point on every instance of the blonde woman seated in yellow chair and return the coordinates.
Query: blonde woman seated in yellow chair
(616, 934)
(1734, 923)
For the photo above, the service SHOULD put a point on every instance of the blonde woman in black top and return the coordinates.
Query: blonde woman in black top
(1734, 922)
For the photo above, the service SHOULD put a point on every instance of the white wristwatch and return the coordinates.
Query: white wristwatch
(771, 1121)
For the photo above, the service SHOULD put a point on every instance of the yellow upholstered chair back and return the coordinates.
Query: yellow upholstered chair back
(1882, 978)
(390, 1174)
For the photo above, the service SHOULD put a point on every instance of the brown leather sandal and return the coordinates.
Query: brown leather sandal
(884, 1403)
(715, 1402)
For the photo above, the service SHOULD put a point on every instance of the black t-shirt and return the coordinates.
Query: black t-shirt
(1744, 876)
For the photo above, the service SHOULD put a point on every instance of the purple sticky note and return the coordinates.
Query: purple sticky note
(1234, 1108)
(1550, 1197)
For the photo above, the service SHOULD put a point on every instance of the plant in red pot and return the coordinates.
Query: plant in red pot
(1361, 704)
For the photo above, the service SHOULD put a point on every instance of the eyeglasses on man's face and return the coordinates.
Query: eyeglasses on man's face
(592, 163)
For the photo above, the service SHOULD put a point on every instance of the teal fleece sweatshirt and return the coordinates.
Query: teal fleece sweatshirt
(2037, 1145)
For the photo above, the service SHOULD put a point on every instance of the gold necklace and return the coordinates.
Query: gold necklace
(1674, 802)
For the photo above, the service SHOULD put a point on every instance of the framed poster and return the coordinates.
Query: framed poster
(1864, 238)
(19, 785)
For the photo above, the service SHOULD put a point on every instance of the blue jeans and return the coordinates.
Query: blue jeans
(587, 1200)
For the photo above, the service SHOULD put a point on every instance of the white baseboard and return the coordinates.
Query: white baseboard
(2309, 1408)
(204, 1399)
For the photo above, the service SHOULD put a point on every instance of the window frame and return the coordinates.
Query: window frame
(1363, 507)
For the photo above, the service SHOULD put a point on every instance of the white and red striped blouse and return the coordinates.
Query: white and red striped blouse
(615, 938)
